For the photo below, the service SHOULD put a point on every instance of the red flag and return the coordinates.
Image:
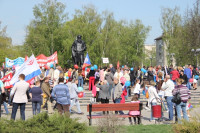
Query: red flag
(118, 64)
(6, 79)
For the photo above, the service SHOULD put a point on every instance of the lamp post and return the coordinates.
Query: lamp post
(196, 52)
(151, 58)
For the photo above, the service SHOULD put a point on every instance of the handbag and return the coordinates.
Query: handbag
(177, 98)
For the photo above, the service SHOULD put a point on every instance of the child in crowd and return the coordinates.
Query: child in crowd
(36, 95)
(135, 114)
(137, 88)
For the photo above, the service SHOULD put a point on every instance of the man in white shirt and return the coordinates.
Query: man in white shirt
(168, 87)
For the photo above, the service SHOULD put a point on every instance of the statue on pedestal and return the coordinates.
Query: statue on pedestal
(78, 48)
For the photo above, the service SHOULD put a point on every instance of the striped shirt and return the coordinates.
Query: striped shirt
(184, 92)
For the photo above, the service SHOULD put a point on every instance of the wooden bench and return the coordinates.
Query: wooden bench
(112, 107)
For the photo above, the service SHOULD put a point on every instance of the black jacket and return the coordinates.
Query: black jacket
(184, 77)
(150, 76)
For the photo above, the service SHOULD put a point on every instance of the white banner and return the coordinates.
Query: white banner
(105, 60)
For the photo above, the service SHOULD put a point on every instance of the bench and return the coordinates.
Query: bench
(112, 107)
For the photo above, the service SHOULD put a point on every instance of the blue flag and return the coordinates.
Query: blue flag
(16, 62)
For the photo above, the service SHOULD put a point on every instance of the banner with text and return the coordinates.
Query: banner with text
(42, 60)
(16, 62)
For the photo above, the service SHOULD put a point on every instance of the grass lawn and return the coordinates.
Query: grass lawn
(142, 129)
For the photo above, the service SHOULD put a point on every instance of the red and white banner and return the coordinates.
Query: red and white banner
(42, 60)
(6, 79)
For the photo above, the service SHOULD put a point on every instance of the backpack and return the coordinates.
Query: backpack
(177, 98)
(147, 94)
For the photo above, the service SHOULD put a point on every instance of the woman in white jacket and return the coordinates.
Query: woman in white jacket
(153, 96)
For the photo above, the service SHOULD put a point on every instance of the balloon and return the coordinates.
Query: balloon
(69, 73)
(132, 69)
(196, 77)
(66, 74)
(92, 68)
(88, 69)
(76, 66)
(191, 80)
(95, 67)
(67, 78)
(80, 95)
(51, 65)
(122, 80)
(122, 66)
(80, 89)
(128, 83)
(143, 70)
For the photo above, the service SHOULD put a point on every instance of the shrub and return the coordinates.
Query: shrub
(42, 123)
(109, 124)
(193, 126)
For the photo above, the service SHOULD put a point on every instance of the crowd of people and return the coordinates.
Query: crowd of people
(107, 83)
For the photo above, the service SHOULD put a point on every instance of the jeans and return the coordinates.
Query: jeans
(36, 106)
(75, 101)
(126, 97)
(118, 101)
(179, 107)
(188, 85)
(22, 110)
(110, 88)
(152, 118)
(170, 107)
(80, 81)
(132, 82)
(163, 102)
(5, 107)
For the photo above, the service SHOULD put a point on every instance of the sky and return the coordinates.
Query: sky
(17, 14)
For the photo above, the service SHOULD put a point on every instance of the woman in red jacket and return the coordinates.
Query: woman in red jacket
(175, 75)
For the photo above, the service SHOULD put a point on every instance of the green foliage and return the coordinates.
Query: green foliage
(193, 126)
(6, 47)
(181, 33)
(104, 36)
(43, 123)
(141, 129)
(44, 32)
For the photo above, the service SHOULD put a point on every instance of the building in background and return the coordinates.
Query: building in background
(163, 58)
(150, 54)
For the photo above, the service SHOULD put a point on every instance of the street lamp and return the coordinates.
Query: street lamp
(151, 58)
(196, 52)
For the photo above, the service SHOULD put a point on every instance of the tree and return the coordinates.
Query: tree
(104, 36)
(44, 32)
(181, 34)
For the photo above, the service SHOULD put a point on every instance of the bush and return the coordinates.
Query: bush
(42, 123)
(193, 126)
(109, 124)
